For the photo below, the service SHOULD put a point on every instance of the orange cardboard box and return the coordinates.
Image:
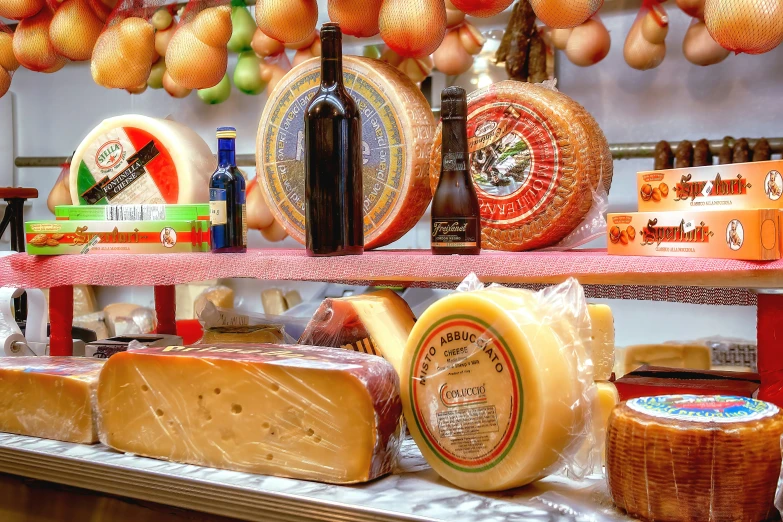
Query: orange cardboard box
(715, 187)
(728, 234)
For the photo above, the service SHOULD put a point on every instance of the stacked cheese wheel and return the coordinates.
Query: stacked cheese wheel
(397, 130)
(537, 157)
(477, 386)
(687, 457)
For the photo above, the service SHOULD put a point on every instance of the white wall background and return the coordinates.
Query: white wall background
(740, 97)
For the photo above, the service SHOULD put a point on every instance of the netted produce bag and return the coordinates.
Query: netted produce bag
(197, 56)
(745, 26)
(76, 25)
(8, 62)
(20, 9)
(288, 21)
(31, 44)
(560, 14)
(125, 50)
(413, 28)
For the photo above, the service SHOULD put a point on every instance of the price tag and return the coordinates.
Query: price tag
(689, 226)
(707, 189)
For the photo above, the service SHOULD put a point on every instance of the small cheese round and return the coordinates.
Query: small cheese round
(397, 133)
(689, 457)
(478, 394)
(537, 156)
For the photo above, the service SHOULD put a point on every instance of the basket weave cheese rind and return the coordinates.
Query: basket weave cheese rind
(397, 133)
(661, 466)
(531, 199)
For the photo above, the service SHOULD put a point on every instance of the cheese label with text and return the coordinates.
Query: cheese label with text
(464, 377)
(127, 166)
(708, 408)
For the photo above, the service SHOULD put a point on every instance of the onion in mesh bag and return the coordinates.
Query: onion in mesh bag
(124, 54)
(745, 26)
(197, 55)
(561, 14)
(413, 28)
(31, 44)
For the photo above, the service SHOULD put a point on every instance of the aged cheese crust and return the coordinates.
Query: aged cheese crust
(537, 156)
(685, 458)
(397, 134)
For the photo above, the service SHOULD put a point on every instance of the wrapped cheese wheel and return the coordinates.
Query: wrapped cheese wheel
(135, 159)
(537, 156)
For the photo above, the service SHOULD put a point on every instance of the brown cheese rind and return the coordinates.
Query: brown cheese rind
(662, 469)
(585, 163)
(664, 157)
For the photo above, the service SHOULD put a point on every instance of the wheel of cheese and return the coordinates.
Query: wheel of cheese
(479, 395)
(688, 457)
(537, 156)
(397, 133)
(135, 159)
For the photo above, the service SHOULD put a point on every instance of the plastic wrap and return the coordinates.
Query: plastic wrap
(497, 384)
(49, 397)
(84, 301)
(219, 295)
(716, 353)
(211, 316)
(129, 319)
(295, 411)
(376, 323)
(686, 458)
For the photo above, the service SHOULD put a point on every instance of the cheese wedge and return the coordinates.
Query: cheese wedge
(49, 397)
(602, 323)
(693, 356)
(293, 411)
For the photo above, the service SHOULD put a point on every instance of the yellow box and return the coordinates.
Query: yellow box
(715, 187)
(728, 234)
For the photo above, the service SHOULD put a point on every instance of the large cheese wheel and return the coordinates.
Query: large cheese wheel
(397, 132)
(687, 457)
(494, 394)
(536, 158)
(135, 159)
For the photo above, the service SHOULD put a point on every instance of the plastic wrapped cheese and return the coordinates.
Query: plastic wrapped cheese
(497, 384)
(49, 397)
(293, 411)
(537, 160)
(135, 159)
(683, 458)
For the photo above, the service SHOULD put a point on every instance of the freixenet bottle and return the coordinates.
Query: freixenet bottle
(334, 217)
(456, 223)
(227, 213)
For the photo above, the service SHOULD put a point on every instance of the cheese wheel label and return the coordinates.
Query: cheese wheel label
(127, 165)
(698, 408)
(515, 162)
(477, 415)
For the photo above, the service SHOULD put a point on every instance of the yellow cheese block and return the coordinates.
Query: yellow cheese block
(49, 397)
(293, 411)
(683, 458)
(273, 301)
(591, 456)
(219, 295)
(602, 323)
(377, 323)
(692, 356)
(494, 396)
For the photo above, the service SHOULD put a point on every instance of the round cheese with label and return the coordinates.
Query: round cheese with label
(536, 158)
(690, 457)
(133, 159)
(493, 395)
(397, 133)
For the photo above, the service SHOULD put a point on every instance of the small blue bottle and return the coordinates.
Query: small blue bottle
(227, 213)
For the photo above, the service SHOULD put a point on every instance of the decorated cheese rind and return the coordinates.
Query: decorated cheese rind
(397, 133)
(537, 158)
(50, 397)
(135, 159)
(686, 457)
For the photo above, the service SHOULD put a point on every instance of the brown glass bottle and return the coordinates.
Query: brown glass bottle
(456, 221)
(334, 217)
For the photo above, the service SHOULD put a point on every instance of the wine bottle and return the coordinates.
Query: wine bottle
(456, 220)
(334, 216)
(227, 212)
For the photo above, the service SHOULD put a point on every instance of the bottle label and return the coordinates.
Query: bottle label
(455, 161)
(455, 232)
(217, 207)
(244, 225)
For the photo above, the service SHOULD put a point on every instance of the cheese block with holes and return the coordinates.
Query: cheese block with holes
(49, 397)
(293, 411)
(135, 159)
(683, 458)
(397, 133)
(537, 157)
(377, 323)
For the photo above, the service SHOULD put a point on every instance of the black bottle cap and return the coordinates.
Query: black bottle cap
(453, 103)
(331, 29)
